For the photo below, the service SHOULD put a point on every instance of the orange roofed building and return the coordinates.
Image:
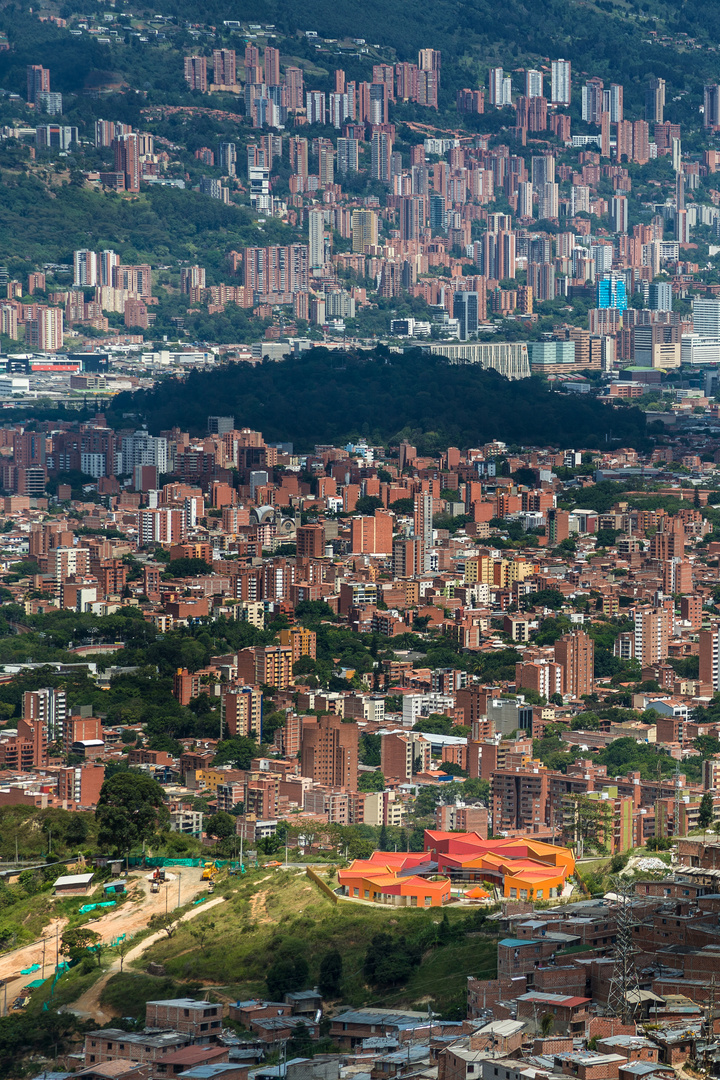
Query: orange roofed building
(522, 869)
(387, 878)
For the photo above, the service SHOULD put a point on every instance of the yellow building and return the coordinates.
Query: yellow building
(301, 641)
(364, 224)
(500, 573)
(209, 778)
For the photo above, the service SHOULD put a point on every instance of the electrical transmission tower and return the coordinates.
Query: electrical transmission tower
(624, 992)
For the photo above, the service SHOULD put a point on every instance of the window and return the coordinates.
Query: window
(367, 894)
(356, 892)
(513, 894)
(186, 1012)
(92, 1056)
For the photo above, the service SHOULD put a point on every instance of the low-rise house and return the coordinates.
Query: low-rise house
(199, 1019)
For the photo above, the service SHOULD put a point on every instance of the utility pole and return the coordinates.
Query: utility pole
(624, 992)
(430, 1020)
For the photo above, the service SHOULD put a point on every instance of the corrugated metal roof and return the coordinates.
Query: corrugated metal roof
(74, 879)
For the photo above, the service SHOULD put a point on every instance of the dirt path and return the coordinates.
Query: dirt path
(258, 910)
(128, 919)
(88, 1005)
(44, 952)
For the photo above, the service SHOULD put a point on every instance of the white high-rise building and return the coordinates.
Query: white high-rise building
(560, 82)
(316, 243)
(347, 155)
(542, 171)
(424, 529)
(533, 83)
(315, 106)
(651, 634)
(500, 87)
(228, 159)
(548, 207)
(525, 200)
(47, 707)
(602, 254)
(619, 213)
(580, 199)
(141, 448)
(107, 261)
(615, 102)
(706, 317)
(85, 268)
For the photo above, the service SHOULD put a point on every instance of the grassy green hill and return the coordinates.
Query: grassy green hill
(276, 915)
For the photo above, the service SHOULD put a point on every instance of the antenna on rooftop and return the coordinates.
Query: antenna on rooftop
(624, 992)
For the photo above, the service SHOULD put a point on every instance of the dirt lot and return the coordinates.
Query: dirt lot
(128, 919)
(88, 1005)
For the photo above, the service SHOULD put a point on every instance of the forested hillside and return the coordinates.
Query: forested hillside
(162, 221)
(325, 396)
(607, 39)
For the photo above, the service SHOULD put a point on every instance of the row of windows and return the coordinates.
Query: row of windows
(413, 899)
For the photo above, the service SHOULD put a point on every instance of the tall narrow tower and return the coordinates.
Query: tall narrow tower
(624, 992)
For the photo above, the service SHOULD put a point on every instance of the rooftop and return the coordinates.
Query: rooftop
(78, 880)
(184, 1003)
(144, 1038)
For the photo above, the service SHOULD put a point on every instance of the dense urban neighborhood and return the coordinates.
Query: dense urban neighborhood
(360, 589)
